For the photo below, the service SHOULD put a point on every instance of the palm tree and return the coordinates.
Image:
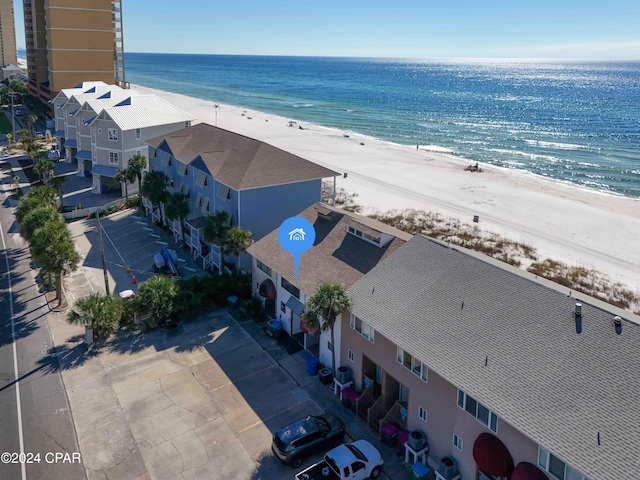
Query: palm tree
(36, 197)
(55, 251)
(36, 218)
(322, 309)
(215, 230)
(216, 227)
(136, 165)
(154, 186)
(126, 176)
(56, 182)
(156, 297)
(43, 167)
(30, 119)
(35, 151)
(101, 313)
(236, 242)
(177, 206)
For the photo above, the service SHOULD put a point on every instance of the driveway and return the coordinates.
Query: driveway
(198, 402)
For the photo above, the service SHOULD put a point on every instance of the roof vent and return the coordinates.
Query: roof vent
(578, 311)
(578, 314)
(617, 323)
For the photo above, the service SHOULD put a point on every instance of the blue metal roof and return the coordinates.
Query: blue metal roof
(71, 114)
(83, 155)
(59, 133)
(104, 170)
(71, 142)
(87, 122)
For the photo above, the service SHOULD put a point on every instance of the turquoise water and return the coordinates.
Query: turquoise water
(570, 121)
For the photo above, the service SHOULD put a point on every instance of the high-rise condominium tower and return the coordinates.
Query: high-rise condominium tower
(7, 34)
(71, 41)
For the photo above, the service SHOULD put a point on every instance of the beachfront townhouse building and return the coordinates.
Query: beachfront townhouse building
(61, 114)
(347, 246)
(84, 115)
(256, 184)
(506, 375)
(120, 131)
(66, 105)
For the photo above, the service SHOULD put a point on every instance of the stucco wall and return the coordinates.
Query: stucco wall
(439, 398)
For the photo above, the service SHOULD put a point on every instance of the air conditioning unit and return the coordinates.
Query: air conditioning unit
(417, 440)
(343, 375)
(447, 469)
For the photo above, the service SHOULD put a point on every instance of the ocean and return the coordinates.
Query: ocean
(576, 122)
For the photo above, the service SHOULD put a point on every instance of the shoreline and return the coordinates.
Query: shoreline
(562, 221)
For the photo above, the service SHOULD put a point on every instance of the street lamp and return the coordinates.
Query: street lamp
(216, 106)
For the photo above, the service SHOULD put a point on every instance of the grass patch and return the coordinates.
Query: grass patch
(5, 125)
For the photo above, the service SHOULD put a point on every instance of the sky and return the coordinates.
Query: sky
(586, 29)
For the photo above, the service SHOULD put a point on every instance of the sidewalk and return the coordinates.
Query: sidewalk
(394, 466)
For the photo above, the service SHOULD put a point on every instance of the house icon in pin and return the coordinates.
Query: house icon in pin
(296, 234)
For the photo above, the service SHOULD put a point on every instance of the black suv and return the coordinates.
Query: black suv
(304, 437)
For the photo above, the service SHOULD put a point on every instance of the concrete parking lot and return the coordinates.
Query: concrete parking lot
(130, 241)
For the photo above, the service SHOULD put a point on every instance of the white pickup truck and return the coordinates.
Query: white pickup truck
(354, 461)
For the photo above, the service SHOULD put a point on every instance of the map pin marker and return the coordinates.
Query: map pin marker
(296, 236)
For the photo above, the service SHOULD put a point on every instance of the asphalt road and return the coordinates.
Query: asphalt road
(34, 412)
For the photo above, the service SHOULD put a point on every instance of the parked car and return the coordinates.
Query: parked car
(54, 153)
(353, 461)
(304, 437)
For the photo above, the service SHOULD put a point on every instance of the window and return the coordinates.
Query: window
(478, 410)
(365, 236)
(350, 355)
(457, 442)
(362, 327)
(187, 124)
(201, 179)
(556, 467)
(138, 134)
(422, 413)
(289, 287)
(329, 345)
(182, 169)
(198, 200)
(166, 159)
(263, 267)
(114, 159)
(224, 192)
(410, 362)
(113, 134)
(283, 307)
(205, 205)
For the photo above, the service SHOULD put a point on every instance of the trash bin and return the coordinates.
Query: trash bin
(274, 328)
(312, 365)
(419, 471)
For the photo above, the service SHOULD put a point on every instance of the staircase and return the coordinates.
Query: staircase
(365, 401)
(376, 413)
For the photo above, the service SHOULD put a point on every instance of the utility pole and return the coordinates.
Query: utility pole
(13, 119)
(104, 264)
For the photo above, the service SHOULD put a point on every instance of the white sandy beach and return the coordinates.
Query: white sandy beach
(564, 222)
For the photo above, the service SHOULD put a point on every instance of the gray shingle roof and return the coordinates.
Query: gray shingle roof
(452, 310)
(237, 161)
(336, 256)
